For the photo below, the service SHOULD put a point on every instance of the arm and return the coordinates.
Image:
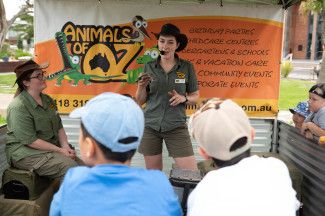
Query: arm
(141, 93)
(193, 97)
(313, 129)
(46, 146)
(63, 139)
(21, 122)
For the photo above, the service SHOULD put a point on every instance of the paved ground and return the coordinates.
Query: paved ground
(4, 101)
(303, 69)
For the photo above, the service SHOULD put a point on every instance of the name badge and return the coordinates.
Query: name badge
(179, 80)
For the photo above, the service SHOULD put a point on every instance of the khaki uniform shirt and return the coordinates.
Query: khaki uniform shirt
(27, 121)
(159, 114)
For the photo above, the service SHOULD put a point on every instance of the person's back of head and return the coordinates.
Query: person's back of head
(111, 129)
(222, 131)
(241, 185)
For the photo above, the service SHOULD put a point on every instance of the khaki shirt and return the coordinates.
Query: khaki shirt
(159, 114)
(27, 121)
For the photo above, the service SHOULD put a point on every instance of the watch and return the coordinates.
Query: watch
(185, 99)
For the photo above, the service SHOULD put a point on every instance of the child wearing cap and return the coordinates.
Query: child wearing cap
(241, 184)
(314, 125)
(300, 113)
(111, 129)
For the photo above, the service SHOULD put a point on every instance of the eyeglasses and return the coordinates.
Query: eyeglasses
(40, 76)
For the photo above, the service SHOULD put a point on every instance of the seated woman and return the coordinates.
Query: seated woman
(314, 125)
(36, 139)
(300, 113)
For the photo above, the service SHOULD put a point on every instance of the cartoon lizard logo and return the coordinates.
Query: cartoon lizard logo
(149, 55)
(71, 70)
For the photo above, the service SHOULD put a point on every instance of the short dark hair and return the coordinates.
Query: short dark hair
(108, 153)
(21, 79)
(221, 163)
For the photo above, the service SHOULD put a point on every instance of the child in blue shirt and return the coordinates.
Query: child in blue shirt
(111, 129)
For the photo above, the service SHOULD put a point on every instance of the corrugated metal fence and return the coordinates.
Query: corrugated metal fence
(309, 157)
(262, 141)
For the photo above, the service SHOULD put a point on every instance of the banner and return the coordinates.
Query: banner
(98, 47)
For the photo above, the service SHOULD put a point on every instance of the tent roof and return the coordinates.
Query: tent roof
(284, 3)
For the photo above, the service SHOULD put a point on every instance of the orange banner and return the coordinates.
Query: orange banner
(234, 57)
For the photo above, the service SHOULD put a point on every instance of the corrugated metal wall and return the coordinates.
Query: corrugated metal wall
(309, 157)
(262, 141)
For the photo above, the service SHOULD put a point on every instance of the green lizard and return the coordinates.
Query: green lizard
(149, 55)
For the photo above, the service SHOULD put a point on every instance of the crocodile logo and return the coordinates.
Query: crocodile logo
(149, 55)
(71, 70)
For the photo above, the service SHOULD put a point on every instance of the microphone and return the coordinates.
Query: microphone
(162, 52)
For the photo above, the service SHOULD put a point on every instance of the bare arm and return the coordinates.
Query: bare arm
(46, 146)
(43, 145)
(312, 128)
(193, 97)
(63, 139)
(141, 93)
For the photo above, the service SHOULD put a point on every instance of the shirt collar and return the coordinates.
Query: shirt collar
(178, 61)
(32, 100)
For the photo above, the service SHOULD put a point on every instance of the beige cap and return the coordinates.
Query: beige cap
(217, 129)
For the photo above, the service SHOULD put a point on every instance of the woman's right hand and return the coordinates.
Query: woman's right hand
(68, 153)
(143, 80)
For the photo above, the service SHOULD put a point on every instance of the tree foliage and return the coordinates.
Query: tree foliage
(314, 6)
(6, 24)
(25, 27)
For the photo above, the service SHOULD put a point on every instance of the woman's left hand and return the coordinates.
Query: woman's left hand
(176, 98)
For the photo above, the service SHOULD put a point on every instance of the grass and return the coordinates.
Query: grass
(2, 120)
(6, 83)
(293, 91)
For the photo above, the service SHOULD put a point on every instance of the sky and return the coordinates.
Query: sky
(12, 7)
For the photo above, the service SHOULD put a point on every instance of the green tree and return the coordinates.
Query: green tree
(20, 43)
(317, 6)
(6, 24)
(25, 27)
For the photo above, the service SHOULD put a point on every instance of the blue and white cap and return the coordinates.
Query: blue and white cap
(114, 120)
(302, 109)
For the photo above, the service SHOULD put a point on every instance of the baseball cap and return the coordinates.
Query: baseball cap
(302, 109)
(114, 120)
(216, 127)
(318, 89)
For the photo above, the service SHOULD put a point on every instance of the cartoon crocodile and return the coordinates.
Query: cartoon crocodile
(149, 55)
(71, 70)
